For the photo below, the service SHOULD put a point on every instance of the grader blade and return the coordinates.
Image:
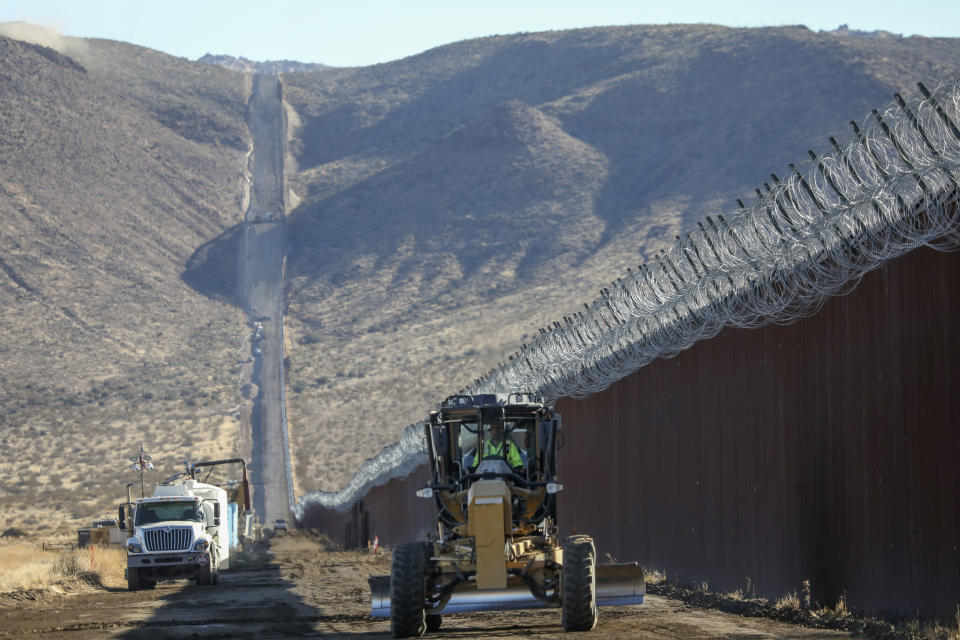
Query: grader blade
(617, 585)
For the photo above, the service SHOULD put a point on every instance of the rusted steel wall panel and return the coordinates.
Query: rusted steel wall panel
(397, 514)
(827, 450)
(390, 511)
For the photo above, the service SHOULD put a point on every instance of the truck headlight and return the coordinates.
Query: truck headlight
(134, 547)
(201, 545)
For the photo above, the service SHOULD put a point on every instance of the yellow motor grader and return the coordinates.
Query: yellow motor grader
(493, 461)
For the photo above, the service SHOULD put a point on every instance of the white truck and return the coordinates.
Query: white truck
(181, 531)
(185, 529)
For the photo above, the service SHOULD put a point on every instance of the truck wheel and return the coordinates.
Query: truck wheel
(133, 578)
(408, 590)
(578, 584)
(434, 620)
(203, 577)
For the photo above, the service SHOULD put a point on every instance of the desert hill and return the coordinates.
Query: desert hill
(116, 163)
(455, 201)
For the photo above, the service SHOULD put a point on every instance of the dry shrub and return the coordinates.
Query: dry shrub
(99, 566)
(23, 566)
(795, 608)
(790, 601)
(927, 630)
(71, 564)
(654, 576)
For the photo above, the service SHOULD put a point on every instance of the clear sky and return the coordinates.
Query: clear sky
(363, 32)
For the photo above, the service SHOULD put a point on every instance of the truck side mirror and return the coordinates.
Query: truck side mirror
(121, 518)
(216, 514)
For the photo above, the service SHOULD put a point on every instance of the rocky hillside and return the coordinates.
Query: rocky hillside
(272, 67)
(116, 164)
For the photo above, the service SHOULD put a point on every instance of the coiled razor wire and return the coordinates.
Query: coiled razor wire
(394, 461)
(892, 189)
(809, 236)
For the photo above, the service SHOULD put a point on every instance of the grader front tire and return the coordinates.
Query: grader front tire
(578, 581)
(408, 590)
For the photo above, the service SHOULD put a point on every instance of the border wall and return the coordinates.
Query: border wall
(391, 512)
(761, 456)
(827, 450)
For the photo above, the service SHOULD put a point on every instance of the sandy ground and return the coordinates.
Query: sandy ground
(294, 587)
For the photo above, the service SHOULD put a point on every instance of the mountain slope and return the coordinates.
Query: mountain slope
(116, 163)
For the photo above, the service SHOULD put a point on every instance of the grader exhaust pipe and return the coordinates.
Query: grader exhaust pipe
(617, 585)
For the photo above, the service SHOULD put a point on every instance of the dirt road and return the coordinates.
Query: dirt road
(294, 587)
(264, 244)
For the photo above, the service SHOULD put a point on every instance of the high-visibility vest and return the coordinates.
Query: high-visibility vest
(490, 449)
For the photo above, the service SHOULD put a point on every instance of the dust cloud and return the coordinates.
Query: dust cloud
(43, 35)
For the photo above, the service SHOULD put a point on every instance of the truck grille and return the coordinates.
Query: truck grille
(168, 538)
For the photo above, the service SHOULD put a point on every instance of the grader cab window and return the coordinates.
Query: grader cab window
(523, 434)
(468, 440)
(463, 437)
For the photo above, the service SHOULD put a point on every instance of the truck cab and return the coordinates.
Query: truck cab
(181, 531)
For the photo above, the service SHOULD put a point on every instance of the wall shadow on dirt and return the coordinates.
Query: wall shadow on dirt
(214, 268)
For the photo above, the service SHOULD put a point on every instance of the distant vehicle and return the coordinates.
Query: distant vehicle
(256, 350)
(280, 524)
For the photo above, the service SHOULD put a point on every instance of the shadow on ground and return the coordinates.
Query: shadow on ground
(254, 600)
(214, 268)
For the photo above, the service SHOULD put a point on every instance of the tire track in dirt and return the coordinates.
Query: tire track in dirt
(295, 585)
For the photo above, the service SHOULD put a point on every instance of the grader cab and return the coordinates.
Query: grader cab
(493, 461)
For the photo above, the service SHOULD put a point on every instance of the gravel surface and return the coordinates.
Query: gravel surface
(293, 586)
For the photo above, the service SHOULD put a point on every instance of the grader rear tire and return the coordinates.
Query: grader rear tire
(408, 590)
(578, 584)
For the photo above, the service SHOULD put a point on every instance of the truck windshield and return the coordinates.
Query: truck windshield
(152, 512)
